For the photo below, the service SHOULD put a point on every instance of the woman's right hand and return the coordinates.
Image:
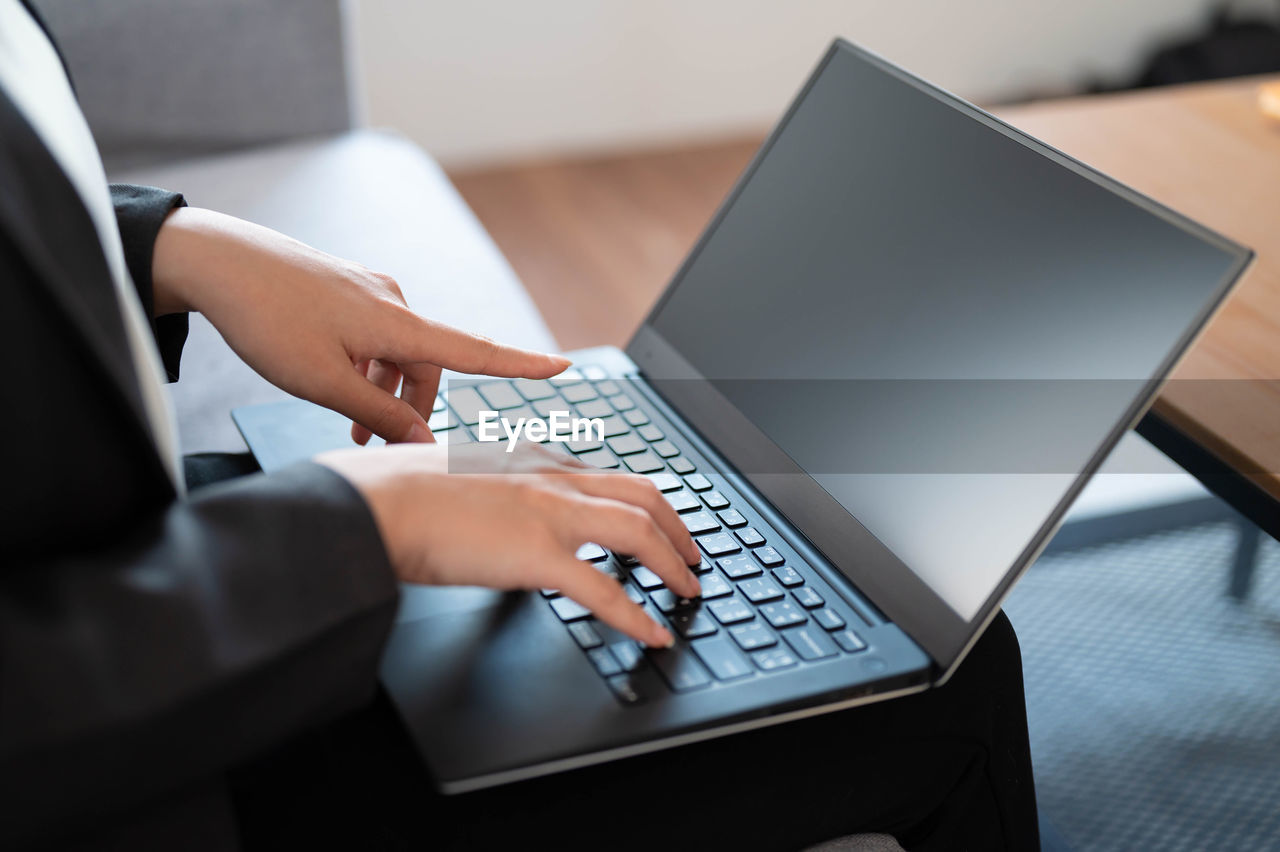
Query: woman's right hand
(477, 516)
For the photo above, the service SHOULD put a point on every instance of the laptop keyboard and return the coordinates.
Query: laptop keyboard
(762, 611)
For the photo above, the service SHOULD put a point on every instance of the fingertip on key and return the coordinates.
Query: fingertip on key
(661, 637)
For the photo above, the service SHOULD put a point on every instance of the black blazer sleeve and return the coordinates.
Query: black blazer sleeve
(140, 211)
(216, 627)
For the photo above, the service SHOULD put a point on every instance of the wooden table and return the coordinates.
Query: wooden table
(1206, 151)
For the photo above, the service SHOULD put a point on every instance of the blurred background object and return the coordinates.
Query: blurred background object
(481, 83)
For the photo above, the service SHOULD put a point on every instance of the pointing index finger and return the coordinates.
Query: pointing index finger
(424, 339)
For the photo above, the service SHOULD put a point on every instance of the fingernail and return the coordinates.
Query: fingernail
(419, 434)
(662, 638)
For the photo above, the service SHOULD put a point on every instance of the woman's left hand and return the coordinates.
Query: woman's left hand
(322, 328)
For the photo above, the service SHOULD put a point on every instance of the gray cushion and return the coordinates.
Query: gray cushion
(164, 79)
(366, 195)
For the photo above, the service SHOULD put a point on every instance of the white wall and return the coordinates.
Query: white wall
(481, 81)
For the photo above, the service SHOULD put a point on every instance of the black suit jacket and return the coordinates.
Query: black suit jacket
(147, 642)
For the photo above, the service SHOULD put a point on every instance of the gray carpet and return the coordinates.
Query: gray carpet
(1154, 700)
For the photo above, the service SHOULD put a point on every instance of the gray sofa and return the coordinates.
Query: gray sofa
(247, 107)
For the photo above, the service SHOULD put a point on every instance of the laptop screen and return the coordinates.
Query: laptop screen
(939, 323)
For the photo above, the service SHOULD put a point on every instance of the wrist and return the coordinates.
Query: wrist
(171, 262)
(396, 486)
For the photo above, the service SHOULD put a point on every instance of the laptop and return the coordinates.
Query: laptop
(901, 347)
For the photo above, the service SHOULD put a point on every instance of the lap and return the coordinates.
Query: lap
(946, 769)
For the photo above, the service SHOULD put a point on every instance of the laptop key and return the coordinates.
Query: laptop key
(718, 544)
(569, 609)
(607, 388)
(850, 641)
(683, 501)
(751, 537)
(722, 658)
(535, 389)
(773, 659)
(651, 433)
(467, 404)
(637, 596)
(714, 586)
(702, 567)
(513, 415)
(635, 417)
(668, 601)
(568, 377)
(732, 519)
(680, 669)
(625, 445)
(665, 482)
(700, 522)
(548, 407)
(666, 449)
(646, 579)
(585, 635)
(591, 552)
(581, 445)
(810, 643)
(828, 618)
(612, 426)
(604, 661)
(730, 611)
(594, 408)
(578, 393)
(760, 590)
(807, 597)
(738, 567)
(788, 576)
(599, 458)
(715, 500)
(628, 655)
(782, 614)
(692, 623)
(769, 557)
(698, 482)
(593, 373)
(752, 636)
(625, 689)
(643, 463)
(622, 402)
(500, 395)
(682, 465)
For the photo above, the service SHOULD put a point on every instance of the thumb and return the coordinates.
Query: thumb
(382, 413)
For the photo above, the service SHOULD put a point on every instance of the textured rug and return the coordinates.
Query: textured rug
(1153, 698)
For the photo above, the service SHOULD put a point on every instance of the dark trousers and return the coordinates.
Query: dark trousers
(949, 769)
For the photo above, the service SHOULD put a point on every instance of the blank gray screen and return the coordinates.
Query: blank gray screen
(887, 237)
